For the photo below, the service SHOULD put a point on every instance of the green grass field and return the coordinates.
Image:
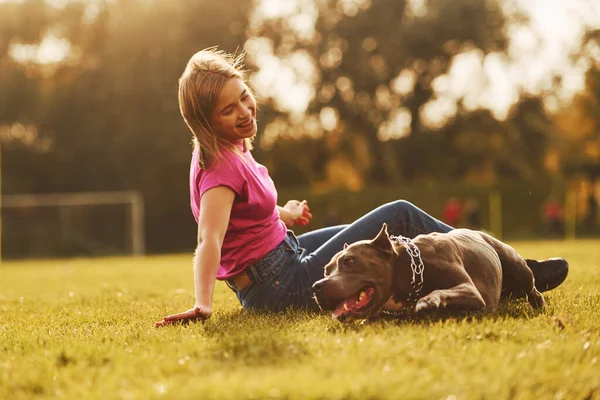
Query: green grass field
(82, 329)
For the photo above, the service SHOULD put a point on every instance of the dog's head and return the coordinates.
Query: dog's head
(358, 279)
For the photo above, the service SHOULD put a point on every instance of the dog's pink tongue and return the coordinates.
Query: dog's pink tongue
(352, 303)
(339, 311)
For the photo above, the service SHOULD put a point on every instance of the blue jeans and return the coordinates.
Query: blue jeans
(284, 277)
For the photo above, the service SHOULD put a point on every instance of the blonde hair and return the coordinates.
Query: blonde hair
(200, 86)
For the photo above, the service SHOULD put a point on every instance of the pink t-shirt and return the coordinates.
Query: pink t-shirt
(254, 227)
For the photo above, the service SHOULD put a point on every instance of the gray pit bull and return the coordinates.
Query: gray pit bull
(461, 270)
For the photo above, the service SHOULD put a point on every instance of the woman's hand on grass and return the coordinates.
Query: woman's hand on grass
(191, 315)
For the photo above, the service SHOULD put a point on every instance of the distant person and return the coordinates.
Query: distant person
(243, 235)
(473, 214)
(452, 212)
(591, 218)
(553, 216)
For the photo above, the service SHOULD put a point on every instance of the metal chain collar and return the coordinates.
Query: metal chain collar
(416, 266)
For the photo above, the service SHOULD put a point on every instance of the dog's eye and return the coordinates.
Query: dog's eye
(348, 262)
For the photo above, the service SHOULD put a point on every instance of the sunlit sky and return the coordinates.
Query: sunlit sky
(537, 52)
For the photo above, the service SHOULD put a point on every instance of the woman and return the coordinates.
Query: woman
(243, 236)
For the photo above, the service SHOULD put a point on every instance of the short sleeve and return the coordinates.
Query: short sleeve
(227, 172)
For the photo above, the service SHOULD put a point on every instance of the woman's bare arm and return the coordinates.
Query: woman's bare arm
(215, 210)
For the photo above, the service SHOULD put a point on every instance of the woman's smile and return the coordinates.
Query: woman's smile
(248, 126)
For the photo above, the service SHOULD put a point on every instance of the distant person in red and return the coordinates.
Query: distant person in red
(553, 216)
(452, 212)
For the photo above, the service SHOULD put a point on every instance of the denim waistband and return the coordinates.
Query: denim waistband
(256, 272)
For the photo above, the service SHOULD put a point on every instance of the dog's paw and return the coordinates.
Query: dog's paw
(427, 304)
(536, 299)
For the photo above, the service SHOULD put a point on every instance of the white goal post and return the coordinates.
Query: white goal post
(132, 198)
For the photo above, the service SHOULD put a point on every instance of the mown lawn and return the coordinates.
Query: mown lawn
(82, 329)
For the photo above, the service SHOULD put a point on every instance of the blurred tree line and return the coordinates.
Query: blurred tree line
(105, 117)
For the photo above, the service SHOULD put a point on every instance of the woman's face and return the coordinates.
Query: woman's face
(234, 115)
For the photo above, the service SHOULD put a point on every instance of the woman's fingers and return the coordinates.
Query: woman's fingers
(306, 210)
(184, 317)
(174, 321)
(306, 216)
(302, 221)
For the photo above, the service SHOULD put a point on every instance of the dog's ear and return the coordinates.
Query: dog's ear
(345, 246)
(382, 240)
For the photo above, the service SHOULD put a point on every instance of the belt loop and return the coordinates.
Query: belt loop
(294, 238)
(253, 273)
